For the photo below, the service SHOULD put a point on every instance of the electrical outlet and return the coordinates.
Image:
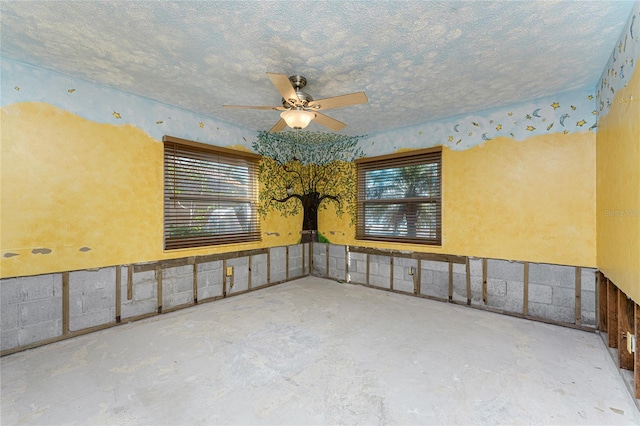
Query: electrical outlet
(229, 271)
(412, 270)
(631, 343)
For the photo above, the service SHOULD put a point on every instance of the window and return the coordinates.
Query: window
(400, 197)
(210, 195)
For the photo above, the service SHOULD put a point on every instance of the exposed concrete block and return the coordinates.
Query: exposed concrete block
(588, 318)
(177, 271)
(278, 263)
(215, 265)
(337, 251)
(434, 283)
(587, 300)
(514, 302)
(550, 312)
(373, 267)
(240, 274)
(39, 311)
(476, 290)
(144, 291)
(9, 339)
(41, 331)
(8, 318)
(10, 292)
(435, 265)
(295, 261)
(91, 319)
(357, 277)
(459, 286)
(505, 270)
(475, 267)
(210, 283)
(379, 281)
(555, 275)
(588, 279)
(540, 293)
(402, 281)
(564, 297)
(177, 299)
(496, 288)
(259, 270)
(320, 259)
(24, 289)
(147, 276)
(87, 282)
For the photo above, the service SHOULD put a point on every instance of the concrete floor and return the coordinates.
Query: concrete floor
(314, 351)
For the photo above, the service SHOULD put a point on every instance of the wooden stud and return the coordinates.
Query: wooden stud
(224, 277)
(468, 271)
(268, 267)
(118, 292)
(195, 283)
(636, 363)
(612, 314)
(326, 255)
(65, 303)
(346, 264)
(286, 264)
(368, 269)
(602, 302)
(578, 310)
(525, 295)
(249, 285)
(391, 272)
(484, 281)
(304, 261)
(130, 282)
(625, 325)
(450, 281)
(159, 279)
(417, 278)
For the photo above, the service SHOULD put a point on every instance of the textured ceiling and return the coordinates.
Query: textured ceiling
(417, 61)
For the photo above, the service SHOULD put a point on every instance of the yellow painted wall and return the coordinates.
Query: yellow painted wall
(532, 200)
(618, 190)
(77, 194)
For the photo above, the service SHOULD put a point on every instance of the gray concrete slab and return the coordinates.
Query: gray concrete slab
(313, 351)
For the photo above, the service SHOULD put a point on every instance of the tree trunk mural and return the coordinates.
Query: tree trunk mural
(308, 171)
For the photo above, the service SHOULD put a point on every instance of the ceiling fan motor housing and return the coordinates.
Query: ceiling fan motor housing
(298, 82)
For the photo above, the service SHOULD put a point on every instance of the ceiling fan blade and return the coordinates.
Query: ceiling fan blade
(339, 101)
(273, 108)
(329, 122)
(280, 125)
(283, 85)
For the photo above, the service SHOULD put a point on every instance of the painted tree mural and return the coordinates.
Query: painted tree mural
(308, 170)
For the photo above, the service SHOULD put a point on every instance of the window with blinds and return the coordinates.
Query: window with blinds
(400, 197)
(210, 195)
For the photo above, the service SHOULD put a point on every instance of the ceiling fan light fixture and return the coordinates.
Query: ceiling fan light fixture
(297, 118)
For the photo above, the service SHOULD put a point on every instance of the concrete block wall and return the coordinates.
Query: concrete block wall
(92, 298)
(177, 286)
(434, 279)
(337, 262)
(239, 281)
(551, 289)
(144, 286)
(380, 271)
(403, 278)
(30, 309)
(357, 267)
(319, 260)
(259, 271)
(278, 259)
(210, 279)
(505, 285)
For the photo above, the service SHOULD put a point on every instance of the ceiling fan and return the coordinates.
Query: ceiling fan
(298, 108)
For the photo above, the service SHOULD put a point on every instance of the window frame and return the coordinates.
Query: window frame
(217, 158)
(397, 161)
